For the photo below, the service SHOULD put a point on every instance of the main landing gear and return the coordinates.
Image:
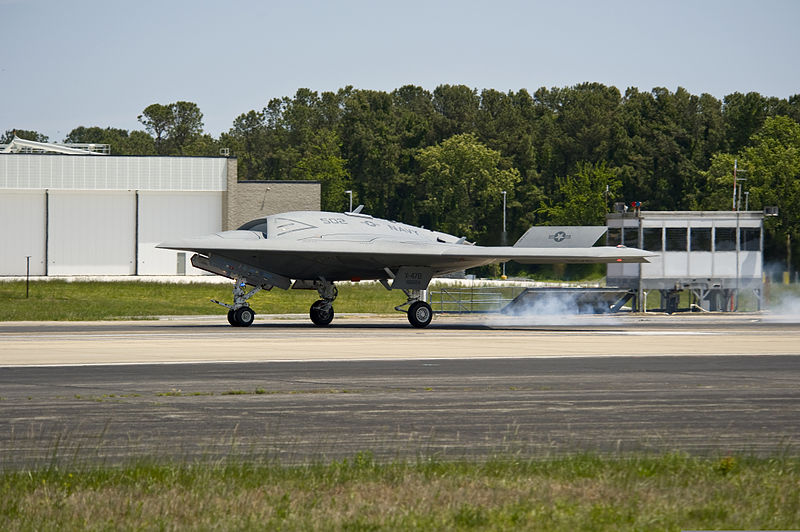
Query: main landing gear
(419, 312)
(321, 312)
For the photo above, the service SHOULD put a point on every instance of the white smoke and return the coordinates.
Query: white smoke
(552, 304)
(781, 302)
(786, 309)
(552, 308)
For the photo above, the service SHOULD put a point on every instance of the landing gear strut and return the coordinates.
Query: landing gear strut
(321, 311)
(240, 314)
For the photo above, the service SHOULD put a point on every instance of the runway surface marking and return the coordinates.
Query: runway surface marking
(158, 342)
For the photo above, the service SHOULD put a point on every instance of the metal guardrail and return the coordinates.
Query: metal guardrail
(467, 300)
(579, 300)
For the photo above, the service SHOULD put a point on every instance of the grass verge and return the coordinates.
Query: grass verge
(81, 301)
(583, 492)
(94, 300)
(59, 300)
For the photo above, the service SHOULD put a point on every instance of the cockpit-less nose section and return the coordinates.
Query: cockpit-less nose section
(313, 250)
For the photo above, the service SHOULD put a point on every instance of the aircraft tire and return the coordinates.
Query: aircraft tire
(244, 316)
(321, 316)
(232, 319)
(420, 314)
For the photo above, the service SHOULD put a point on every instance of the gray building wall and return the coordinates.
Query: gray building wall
(248, 200)
(93, 215)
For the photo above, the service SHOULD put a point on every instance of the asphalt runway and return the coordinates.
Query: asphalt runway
(197, 389)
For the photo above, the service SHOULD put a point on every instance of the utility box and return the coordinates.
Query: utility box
(713, 254)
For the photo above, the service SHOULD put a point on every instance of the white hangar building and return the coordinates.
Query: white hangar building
(92, 214)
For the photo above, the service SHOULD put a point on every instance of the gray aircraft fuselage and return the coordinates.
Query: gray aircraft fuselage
(307, 245)
(310, 245)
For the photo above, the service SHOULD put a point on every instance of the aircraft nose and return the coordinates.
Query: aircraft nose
(201, 241)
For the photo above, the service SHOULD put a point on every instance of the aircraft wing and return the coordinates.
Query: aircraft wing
(344, 259)
(551, 255)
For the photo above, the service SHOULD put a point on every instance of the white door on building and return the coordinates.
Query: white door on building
(22, 218)
(92, 233)
(170, 216)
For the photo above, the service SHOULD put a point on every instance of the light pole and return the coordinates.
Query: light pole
(350, 193)
(504, 229)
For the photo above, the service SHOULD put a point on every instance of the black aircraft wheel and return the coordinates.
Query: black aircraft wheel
(232, 318)
(321, 313)
(244, 316)
(420, 314)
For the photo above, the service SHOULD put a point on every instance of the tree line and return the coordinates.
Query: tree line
(442, 158)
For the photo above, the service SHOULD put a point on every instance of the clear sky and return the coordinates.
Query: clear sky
(87, 63)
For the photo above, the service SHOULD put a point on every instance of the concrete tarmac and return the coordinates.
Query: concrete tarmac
(465, 387)
(359, 337)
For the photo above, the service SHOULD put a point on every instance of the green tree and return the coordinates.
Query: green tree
(461, 183)
(771, 166)
(173, 126)
(294, 138)
(323, 163)
(186, 126)
(413, 119)
(457, 108)
(120, 141)
(669, 139)
(139, 143)
(156, 119)
(581, 196)
(718, 179)
(508, 124)
(587, 118)
(93, 135)
(201, 146)
(744, 115)
(371, 146)
(270, 143)
(247, 141)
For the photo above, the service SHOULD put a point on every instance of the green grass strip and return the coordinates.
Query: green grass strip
(82, 301)
(584, 492)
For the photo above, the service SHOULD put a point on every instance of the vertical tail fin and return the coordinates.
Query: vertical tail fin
(564, 236)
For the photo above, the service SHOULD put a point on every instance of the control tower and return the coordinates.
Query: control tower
(713, 254)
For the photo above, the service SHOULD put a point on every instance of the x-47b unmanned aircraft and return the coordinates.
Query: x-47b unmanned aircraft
(313, 249)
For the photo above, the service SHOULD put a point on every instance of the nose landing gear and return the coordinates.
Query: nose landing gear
(240, 314)
(241, 317)
(321, 311)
